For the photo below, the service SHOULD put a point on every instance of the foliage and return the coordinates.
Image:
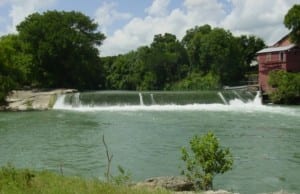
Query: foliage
(249, 45)
(17, 181)
(58, 49)
(198, 81)
(124, 72)
(167, 63)
(14, 64)
(206, 160)
(287, 87)
(165, 59)
(292, 22)
(123, 178)
(63, 46)
(148, 68)
(218, 51)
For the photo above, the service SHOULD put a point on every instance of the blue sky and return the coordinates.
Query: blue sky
(129, 24)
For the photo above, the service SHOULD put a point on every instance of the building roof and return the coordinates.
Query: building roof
(276, 49)
(285, 39)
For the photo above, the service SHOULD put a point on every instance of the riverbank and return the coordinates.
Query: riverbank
(38, 99)
(25, 181)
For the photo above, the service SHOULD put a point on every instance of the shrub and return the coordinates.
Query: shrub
(286, 87)
(206, 160)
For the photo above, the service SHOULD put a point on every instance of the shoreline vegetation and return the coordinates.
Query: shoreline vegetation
(27, 181)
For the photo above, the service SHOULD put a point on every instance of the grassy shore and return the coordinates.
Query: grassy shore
(17, 181)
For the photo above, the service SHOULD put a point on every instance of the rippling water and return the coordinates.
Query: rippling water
(146, 140)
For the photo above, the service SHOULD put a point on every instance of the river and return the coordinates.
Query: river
(145, 135)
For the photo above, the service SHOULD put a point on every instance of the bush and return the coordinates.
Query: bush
(286, 87)
(206, 160)
(6, 85)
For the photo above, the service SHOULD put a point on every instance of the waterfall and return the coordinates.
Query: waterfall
(76, 101)
(257, 100)
(222, 98)
(152, 99)
(141, 99)
(59, 104)
(238, 95)
(127, 100)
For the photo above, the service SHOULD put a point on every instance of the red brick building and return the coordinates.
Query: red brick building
(283, 55)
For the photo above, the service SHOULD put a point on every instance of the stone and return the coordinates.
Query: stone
(174, 183)
(24, 100)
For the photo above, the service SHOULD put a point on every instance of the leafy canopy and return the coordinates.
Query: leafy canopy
(14, 64)
(292, 22)
(63, 46)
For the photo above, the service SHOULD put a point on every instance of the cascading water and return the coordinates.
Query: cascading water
(164, 101)
(222, 97)
(76, 100)
(152, 99)
(141, 99)
(238, 96)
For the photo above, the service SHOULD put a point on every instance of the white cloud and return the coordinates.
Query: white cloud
(262, 18)
(107, 14)
(158, 8)
(3, 2)
(140, 31)
(21, 9)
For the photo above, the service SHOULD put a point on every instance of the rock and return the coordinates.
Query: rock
(203, 192)
(177, 184)
(23, 100)
(173, 183)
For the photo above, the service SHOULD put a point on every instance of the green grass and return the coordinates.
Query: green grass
(22, 181)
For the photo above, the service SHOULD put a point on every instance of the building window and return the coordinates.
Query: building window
(268, 57)
(282, 56)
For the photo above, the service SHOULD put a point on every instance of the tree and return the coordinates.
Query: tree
(125, 72)
(292, 22)
(249, 45)
(14, 65)
(206, 160)
(191, 42)
(63, 46)
(166, 59)
(286, 87)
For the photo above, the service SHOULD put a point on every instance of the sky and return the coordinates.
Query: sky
(129, 24)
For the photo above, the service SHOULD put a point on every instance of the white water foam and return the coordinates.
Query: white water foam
(235, 105)
(141, 99)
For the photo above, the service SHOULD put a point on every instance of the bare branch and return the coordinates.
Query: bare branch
(109, 159)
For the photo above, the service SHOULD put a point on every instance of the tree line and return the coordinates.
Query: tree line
(206, 58)
(58, 49)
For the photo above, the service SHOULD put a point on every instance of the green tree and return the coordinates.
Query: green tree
(64, 48)
(191, 42)
(14, 65)
(165, 60)
(249, 45)
(219, 53)
(286, 87)
(125, 72)
(292, 22)
(206, 160)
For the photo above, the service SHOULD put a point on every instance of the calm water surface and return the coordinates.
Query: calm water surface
(265, 142)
